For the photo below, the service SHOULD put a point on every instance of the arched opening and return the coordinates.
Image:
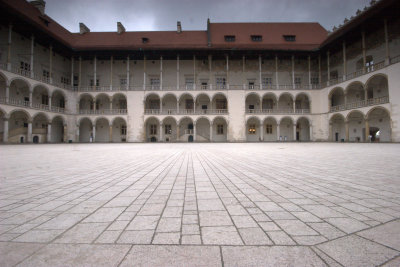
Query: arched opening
(356, 123)
(355, 92)
(270, 132)
(190, 138)
(169, 104)
(338, 131)
(252, 103)
(252, 129)
(285, 103)
(377, 87)
(85, 130)
(303, 129)
(102, 103)
(336, 97)
(39, 127)
(152, 104)
(58, 101)
(152, 129)
(86, 103)
(3, 84)
(57, 130)
(2, 117)
(102, 130)
(186, 104)
(202, 130)
(40, 97)
(269, 102)
(169, 128)
(380, 129)
(219, 103)
(286, 129)
(18, 127)
(203, 104)
(119, 130)
(185, 128)
(153, 139)
(220, 130)
(19, 93)
(119, 104)
(35, 139)
(302, 104)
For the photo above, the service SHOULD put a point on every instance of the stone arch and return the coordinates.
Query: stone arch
(303, 126)
(85, 130)
(336, 97)
(219, 129)
(287, 129)
(152, 128)
(303, 102)
(40, 122)
(377, 86)
(252, 129)
(86, 101)
(2, 75)
(41, 114)
(356, 123)
(337, 127)
(252, 102)
(269, 101)
(3, 84)
(379, 124)
(152, 101)
(286, 102)
(102, 101)
(219, 101)
(58, 98)
(202, 125)
(355, 92)
(186, 129)
(270, 128)
(169, 103)
(18, 126)
(119, 101)
(57, 129)
(119, 129)
(203, 103)
(170, 129)
(102, 126)
(20, 89)
(186, 103)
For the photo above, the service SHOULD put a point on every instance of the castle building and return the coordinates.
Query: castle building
(231, 82)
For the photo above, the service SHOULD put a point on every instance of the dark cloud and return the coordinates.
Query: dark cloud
(144, 15)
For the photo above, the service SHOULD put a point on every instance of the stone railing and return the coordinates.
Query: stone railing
(103, 112)
(278, 111)
(185, 112)
(361, 103)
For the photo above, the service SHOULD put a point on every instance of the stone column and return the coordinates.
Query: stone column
(194, 131)
(51, 64)
(309, 71)
(243, 71)
(72, 72)
(311, 132)
(345, 98)
(177, 132)
(95, 73)
(319, 69)
(194, 72)
(50, 96)
(331, 136)
(364, 51)
(293, 83)
(328, 68)
(278, 131)
(30, 98)
(344, 61)
(227, 72)
(127, 74)
(7, 93)
(9, 47)
(161, 75)
(111, 72)
(144, 73)
(111, 104)
(77, 133)
(261, 132)
(5, 130)
(294, 132)
(49, 133)
(94, 104)
(161, 132)
(347, 131)
(94, 133)
(367, 131)
(80, 73)
(260, 71)
(32, 51)
(210, 71)
(387, 54)
(211, 131)
(110, 134)
(276, 72)
(29, 137)
(177, 72)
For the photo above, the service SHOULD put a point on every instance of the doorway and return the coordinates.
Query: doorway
(190, 138)
(36, 139)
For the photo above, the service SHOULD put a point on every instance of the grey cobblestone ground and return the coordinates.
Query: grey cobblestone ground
(200, 205)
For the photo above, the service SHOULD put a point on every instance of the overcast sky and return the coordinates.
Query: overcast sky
(153, 15)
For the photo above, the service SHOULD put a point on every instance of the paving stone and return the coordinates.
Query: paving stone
(280, 238)
(357, 251)
(13, 253)
(214, 218)
(82, 233)
(254, 236)
(166, 238)
(39, 236)
(244, 221)
(143, 223)
(136, 237)
(347, 225)
(387, 234)
(295, 227)
(220, 235)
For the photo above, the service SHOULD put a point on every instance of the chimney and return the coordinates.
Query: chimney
(120, 28)
(208, 32)
(178, 27)
(83, 28)
(39, 4)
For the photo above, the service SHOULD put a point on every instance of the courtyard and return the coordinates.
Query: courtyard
(244, 204)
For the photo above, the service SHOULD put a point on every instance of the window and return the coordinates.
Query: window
(64, 80)
(221, 82)
(168, 129)
(251, 106)
(189, 104)
(314, 80)
(256, 38)
(145, 40)
(268, 104)
(290, 38)
(252, 129)
(230, 38)
(221, 104)
(62, 103)
(76, 80)
(220, 129)
(334, 75)
(154, 104)
(45, 99)
(123, 129)
(204, 107)
(153, 128)
(122, 81)
(25, 66)
(297, 80)
(203, 85)
(189, 83)
(251, 85)
(122, 104)
(369, 65)
(268, 129)
(267, 81)
(46, 74)
(155, 83)
(92, 83)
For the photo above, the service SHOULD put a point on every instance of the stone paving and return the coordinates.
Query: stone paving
(279, 204)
